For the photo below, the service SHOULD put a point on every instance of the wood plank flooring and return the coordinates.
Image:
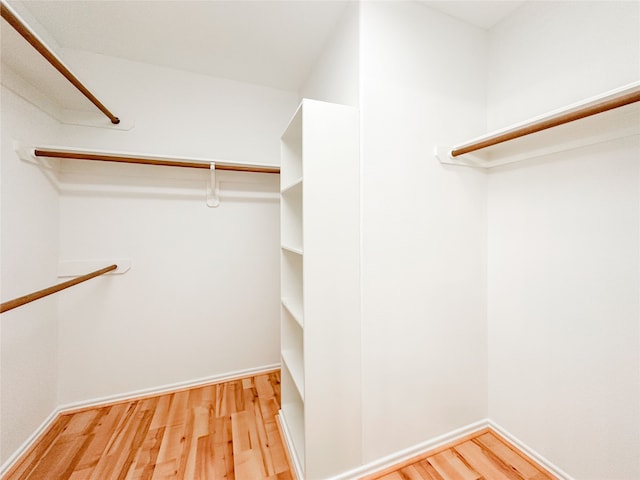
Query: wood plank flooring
(226, 431)
(222, 431)
(481, 456)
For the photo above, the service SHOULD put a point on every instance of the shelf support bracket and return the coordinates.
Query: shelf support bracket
(443, 154)
(212, 187)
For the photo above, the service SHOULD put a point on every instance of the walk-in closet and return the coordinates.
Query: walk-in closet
(320, 240)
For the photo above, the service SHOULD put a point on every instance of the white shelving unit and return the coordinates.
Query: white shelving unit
(292, 211)
(320, 313)
(620, 119)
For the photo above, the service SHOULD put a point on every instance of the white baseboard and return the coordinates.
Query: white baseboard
(225, 377)
(411, 452)
(424, 447)
(96, 402)
(31, 439)
(552, 468)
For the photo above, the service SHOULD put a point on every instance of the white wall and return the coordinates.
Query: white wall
(335, 77)
(564, 237)
(201, 298)
(180, 113)
(549, 54)
(29, 256)
(424, 227)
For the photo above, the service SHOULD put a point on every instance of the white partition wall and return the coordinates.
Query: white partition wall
(424, 228)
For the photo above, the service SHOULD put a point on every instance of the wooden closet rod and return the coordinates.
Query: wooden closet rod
(549, 122)
(18, 302)
(43, 50)
(52, 153)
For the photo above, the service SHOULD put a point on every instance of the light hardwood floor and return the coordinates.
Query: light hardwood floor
(226, 431)
(222, 431)
(481, 456)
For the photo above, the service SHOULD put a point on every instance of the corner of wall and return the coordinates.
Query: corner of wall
(335, 75)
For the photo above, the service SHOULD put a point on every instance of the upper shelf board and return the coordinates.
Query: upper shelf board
(613, 123)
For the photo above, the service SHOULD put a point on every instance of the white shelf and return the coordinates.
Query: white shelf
(293, 361)
(291, 151)
(295, 184)
(296, 250)
(292, 421)
(292, 349)
(617, 122)
(291, 218)
(291, 277)
(292, 425)
(295, 310)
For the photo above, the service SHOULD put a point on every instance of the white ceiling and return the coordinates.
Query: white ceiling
(269, 42)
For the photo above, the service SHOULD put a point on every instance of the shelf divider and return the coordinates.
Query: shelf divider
(294, 365)
(294, 309)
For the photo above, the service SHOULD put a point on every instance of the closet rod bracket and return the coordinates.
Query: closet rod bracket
(212, 188)
(443, 155)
